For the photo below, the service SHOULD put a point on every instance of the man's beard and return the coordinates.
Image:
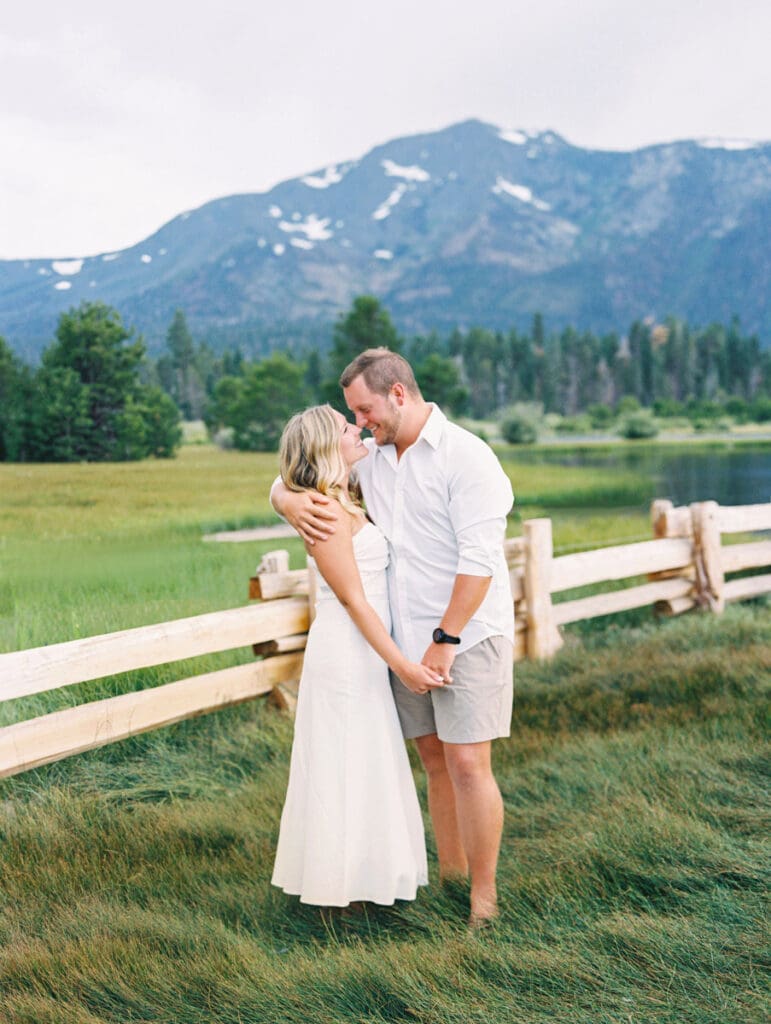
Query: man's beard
(388, 429)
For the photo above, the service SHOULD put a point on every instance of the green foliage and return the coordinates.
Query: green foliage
(600, 415)
(627, 404)
(519, 428)
(760, 409)
(480, 372)
(270, 392)
(180, 370)
(15, 386)
(439, 381)
(366, 325)
(573, 425)
(638, 426)
(87, 403)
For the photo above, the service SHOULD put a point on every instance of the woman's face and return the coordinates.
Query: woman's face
(352, 447)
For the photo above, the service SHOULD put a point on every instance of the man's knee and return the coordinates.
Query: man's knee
(468, 764)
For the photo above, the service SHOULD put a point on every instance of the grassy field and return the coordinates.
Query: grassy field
(134, 880)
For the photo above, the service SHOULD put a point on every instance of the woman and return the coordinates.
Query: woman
(351, 828)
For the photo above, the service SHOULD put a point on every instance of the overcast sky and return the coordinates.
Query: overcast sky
(112, 120)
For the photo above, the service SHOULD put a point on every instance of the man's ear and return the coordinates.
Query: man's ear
(398, 391)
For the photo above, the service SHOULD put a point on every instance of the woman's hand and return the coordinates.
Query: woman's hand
(420, 678)
(310, 513)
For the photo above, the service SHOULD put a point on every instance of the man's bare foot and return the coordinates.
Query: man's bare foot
(479, 923)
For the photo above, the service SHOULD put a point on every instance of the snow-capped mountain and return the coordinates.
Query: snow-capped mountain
(473, 224)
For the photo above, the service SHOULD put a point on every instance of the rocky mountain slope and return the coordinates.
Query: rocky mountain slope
(469, 225)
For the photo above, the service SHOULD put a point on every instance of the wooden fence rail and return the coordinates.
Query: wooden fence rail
(684, 566)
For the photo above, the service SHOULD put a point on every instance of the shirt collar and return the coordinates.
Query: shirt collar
(434, 426)
(432, 432)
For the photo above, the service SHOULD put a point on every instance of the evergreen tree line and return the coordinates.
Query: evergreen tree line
(671, 368)
(89, 400)
(97, 396)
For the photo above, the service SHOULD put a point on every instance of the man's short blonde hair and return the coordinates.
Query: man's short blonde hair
(381, 369)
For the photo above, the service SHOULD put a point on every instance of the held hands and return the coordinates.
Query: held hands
(420, 678)
(310, 514)
(439, 658)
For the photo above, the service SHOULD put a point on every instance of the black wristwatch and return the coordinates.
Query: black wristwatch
(440, 637)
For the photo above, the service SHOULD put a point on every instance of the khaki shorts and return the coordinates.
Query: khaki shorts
(475, 707)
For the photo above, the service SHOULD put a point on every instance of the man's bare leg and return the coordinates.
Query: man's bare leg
(479, 809)
(441, 805)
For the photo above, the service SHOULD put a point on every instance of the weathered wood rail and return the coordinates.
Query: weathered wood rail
(685, 566)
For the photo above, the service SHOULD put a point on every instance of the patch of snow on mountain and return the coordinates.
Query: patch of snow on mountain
(383, 254)
(67, 266)
(109, 256)
(261, 243)
(275, 211)
(162, 252)
(279, 249)
(331, 177)
(385, 208)
(521, 192)
(314, 229)
(414, 173)
(44, 272)
(146, 258)
(514, 137)
(301, 243)
(63, 286)
(735, 144)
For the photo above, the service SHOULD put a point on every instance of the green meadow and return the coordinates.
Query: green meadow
(134, 880)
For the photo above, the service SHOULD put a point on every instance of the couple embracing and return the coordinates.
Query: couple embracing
(406, 530)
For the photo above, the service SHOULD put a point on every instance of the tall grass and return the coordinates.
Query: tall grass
(134, 880)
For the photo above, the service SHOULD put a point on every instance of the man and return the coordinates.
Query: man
(441, 498)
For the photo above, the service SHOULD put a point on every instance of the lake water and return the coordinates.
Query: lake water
(730, 475)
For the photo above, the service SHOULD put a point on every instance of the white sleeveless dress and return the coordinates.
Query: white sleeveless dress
(351, 828)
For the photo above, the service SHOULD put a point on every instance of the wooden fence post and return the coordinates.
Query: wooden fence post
(710, 579)
(543, 637)
(284, 692)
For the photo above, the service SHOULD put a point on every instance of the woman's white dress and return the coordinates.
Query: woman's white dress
(351, 828)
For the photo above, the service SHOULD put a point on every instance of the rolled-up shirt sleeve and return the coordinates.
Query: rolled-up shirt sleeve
(480, 499)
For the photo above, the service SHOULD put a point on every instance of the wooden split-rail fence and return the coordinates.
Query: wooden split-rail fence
(685, 565)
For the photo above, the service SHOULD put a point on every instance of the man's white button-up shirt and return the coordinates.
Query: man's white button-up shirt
(442, 508)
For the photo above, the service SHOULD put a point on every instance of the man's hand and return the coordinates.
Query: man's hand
(420, 679)
(439, 658)
(309, 512)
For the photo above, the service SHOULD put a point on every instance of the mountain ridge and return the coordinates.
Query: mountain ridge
(472, 224)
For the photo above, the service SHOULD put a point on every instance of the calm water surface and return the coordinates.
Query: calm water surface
(731, 475)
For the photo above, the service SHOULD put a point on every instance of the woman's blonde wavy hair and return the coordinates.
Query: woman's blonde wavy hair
(310, 458)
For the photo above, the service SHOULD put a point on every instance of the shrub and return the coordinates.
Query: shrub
(626, 405)
(519, 429)
(573, 425)
(638, 426)
(600, 415)
(668, 407)
(760, 410)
